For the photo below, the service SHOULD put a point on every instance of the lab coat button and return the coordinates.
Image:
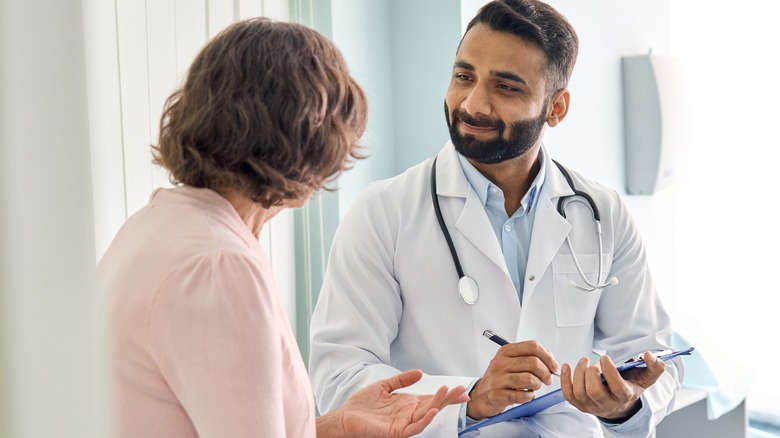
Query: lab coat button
(532, 278)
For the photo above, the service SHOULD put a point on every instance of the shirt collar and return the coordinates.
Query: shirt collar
(481, 185)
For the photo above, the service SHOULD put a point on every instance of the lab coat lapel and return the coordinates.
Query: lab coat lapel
(475, 226)
(472, 222)
(550, 228)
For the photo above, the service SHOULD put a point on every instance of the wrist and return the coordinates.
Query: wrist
(331, 425)
(470, 415)
(471, 405)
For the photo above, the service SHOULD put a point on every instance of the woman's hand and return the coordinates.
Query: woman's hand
(376, 412)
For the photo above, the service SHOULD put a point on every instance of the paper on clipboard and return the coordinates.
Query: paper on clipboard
(539, 404)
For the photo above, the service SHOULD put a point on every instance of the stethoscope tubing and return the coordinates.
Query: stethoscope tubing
(468, 289)
(442, 224)
(591, 286)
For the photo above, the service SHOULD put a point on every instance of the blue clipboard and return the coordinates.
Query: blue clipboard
(539, 404)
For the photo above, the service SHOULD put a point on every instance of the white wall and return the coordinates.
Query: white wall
(46, 233)
(728, 229)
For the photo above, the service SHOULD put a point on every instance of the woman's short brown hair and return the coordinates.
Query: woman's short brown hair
(269, 109)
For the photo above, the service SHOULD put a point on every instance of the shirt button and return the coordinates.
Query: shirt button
(507, 228)
(493, 190)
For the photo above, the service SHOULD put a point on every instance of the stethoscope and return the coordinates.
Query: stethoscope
(467, 286)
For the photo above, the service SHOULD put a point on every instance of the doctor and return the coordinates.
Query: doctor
(391, 299)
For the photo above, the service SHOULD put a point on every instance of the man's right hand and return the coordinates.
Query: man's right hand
(517, 370)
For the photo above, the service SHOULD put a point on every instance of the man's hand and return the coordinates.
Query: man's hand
(375, 411)
(515, 372)
(619, 396)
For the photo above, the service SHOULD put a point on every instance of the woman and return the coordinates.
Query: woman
(200, 344)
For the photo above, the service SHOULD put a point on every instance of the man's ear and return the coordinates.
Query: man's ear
(559, 107)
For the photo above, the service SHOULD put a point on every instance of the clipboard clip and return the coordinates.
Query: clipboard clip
(641, 356)
(663, 355)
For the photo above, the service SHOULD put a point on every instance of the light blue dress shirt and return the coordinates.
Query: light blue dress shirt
(513, 233)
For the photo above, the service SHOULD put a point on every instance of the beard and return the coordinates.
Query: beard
(522, 136)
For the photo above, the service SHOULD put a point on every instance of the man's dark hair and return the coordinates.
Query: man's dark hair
(269, 109)
(538, 23)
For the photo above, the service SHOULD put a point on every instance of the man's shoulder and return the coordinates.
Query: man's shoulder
(411, 175)
(413, 180)
(394, 196)
(593, 187)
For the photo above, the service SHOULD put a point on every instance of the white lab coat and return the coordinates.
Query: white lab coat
(390, 302)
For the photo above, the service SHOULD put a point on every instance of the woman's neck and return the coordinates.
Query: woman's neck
(252, 213)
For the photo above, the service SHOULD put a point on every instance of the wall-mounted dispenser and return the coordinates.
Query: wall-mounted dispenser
(656, 114)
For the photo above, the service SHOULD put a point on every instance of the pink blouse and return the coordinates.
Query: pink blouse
(199, 340)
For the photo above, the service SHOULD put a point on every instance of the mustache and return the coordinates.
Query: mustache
(480, 122)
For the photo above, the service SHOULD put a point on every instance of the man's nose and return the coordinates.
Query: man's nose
(477, 102)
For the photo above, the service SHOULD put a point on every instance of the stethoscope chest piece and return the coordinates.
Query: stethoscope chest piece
(468, 289)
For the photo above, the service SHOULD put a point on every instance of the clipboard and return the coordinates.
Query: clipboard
(539, 404)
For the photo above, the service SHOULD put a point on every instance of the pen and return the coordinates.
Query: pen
(501, 341)
(494, 337)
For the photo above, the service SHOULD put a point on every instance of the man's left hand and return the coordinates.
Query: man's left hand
(584, 389)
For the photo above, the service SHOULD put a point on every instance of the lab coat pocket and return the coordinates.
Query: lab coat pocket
(574, 307)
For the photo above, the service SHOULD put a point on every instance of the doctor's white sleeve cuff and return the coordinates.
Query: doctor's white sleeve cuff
(463, 420)
(636, 423)
(656, 402)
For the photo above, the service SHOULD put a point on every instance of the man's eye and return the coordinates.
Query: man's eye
(462, 77)
(507, 87)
